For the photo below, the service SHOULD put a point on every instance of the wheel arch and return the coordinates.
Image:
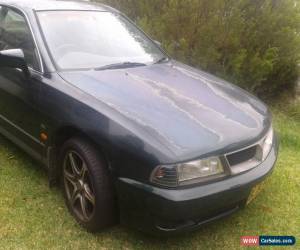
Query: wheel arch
(59, 137)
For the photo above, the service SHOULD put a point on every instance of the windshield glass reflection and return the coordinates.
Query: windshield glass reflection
(94, 39)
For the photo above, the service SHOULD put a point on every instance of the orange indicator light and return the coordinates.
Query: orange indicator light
(44, 137)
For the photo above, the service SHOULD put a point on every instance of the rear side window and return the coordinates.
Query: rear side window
(15, 34)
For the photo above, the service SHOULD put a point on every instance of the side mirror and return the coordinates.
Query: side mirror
(14, 58)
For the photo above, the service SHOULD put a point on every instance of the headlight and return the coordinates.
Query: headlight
(177, 175)
(199, 169)
(267, 144)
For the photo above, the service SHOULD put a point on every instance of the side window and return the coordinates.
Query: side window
(15, 34)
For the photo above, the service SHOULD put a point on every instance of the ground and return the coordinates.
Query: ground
(33, 216)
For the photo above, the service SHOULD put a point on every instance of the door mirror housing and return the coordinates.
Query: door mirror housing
(14, 58)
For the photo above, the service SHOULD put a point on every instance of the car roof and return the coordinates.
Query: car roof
(39, 5)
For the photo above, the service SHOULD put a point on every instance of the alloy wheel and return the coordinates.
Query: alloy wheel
(78, 186)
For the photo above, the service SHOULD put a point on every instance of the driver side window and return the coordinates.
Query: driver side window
(15, 34)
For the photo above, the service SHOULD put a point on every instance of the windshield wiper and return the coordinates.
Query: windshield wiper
(121, 65)
(161, 60)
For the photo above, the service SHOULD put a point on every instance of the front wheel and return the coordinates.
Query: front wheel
(87, 185)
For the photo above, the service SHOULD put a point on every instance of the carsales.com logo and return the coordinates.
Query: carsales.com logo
(268, 241)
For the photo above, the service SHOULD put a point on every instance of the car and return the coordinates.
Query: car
(132, 135)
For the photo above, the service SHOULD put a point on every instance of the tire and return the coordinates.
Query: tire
(87, 185)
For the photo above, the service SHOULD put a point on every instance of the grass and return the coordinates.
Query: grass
(33, 216)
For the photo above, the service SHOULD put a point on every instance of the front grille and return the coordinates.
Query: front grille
(245, 159)
(241, 156)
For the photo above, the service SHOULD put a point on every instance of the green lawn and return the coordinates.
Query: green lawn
(32, 216)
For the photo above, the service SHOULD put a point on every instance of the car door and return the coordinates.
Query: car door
(19, 114)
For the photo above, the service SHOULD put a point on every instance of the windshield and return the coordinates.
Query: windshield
(95, 39)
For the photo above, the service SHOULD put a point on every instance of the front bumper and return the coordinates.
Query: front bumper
(165, 211)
